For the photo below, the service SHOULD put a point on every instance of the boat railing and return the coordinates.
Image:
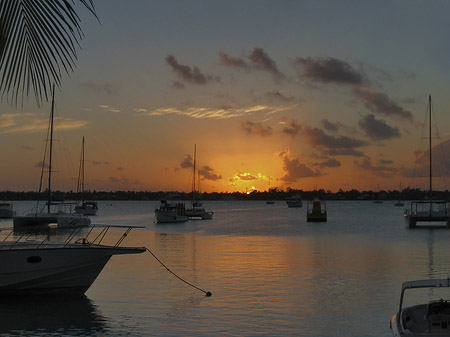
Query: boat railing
(74, 236)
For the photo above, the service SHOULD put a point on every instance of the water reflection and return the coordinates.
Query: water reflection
(39, 315)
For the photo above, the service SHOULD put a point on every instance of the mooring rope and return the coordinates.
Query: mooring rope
(207, 293)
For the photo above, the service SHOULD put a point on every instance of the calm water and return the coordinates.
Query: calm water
(270, 273)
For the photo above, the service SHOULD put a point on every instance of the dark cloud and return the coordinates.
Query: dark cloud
(232, 62)
(292, 128)
(377, 129)
(333, 145)
(329, 126)
(189, 74)
(120, 168)
(386, 162)
(208, 173)
(295, 169)
(263, 62)
(105, 88)
(278, 96)
(329, 163)
(187, 162)
(329, 70)
(178, 85)
(441, 160)
(123, 181)
(381, 170)
(253, 128)
(380, 103)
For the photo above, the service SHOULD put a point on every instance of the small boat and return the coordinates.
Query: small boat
(428, 210)
(399, 203)
(294, 201)
(61, 213)
(6, 210)
(167, 213)
(270, 202)
(197, 212)
(430, 319)
(316, 211)
(86, 207)
(44, 266)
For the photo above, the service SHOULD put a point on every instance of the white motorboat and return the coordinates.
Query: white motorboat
(430, 319)
(429, 210)
(62, 216)
(168, 213)
(196, 212)
(42, 266)
(294, 201)
(87, 208)
(6, 210)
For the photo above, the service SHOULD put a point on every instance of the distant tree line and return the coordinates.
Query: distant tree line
(274, 193)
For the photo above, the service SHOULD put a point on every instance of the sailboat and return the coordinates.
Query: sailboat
(428, 210)
(86, 207)
(196, 211)
(46, 216)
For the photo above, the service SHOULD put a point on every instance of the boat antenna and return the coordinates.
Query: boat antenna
(195, 162)
(431, 168)
(80, 184)
(50, 152)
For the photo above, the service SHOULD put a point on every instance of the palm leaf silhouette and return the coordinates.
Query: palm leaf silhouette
(38, 41)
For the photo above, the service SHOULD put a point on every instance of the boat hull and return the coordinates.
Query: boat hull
(54, 269)
(169, 217)
(45, 219)
(85, 211)
(199, 213)
(316, 217)
(6, 213)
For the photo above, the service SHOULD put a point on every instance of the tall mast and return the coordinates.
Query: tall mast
(80, 184)
(82, 168)
(195, 160)
(429, 134)
(50, 155)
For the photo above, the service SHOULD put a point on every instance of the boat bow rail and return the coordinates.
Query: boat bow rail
(10, 239)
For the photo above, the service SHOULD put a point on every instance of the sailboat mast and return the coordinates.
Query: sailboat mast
(195, 162)
(80, 184)
(82, 168)
(429, 134)
(50, 154)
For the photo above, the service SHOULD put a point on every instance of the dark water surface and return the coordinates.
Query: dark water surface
(270, 273)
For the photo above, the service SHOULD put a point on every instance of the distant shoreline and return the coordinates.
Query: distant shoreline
(275, 194)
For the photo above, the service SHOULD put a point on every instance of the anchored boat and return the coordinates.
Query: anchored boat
(69, 265)
(430, 319)
(428, 210)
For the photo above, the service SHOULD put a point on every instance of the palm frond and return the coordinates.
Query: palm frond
(38, 42)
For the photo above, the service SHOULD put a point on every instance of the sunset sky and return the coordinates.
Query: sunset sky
(327, 94)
